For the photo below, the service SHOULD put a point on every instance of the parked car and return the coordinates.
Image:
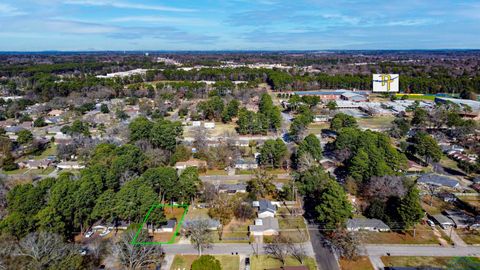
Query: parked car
(83, 251)
(247, 263)
(104, 233)
(431, 223)
(88, 234)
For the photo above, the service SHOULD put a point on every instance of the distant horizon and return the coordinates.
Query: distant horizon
(240, 51)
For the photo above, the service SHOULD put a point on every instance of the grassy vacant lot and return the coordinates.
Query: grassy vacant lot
(416, 96)
(362, 263)
(196, 213)
(234, 232)
(424, 235)
(377, 122)
(472, 201)
(215, 172)
(293, 228)
(29, 172)
(266, 262)
(316, 128)
(470, 237)
(228, 262)
(437, 206)
(438, 262)
(449, 163)
(219, 130)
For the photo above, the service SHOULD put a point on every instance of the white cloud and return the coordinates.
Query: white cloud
(162, 19)
(126, 5)
(8, 10)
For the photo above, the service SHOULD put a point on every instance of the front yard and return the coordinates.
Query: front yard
(263, 262)
(424, 235)
(183, 262)
(471, 237)
(438, 262)
(362, 263)
(293, 228)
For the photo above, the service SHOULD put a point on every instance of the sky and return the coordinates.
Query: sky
(79, 25)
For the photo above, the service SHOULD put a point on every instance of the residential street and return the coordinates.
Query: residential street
(323, 255)
(222, 249)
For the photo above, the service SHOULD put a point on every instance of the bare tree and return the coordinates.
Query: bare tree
(346, 244)
(42, 250)
(385, 186)
(199, 234)
(98, 247)
(305, 162)
(209, 193)
(200, 136)
(277, 249)
(134, 257)
(298, 251)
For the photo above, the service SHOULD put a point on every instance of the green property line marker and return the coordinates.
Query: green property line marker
(179, 225)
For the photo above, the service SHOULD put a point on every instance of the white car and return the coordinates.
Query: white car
(431, 223)
(104, 233)
(88, 234)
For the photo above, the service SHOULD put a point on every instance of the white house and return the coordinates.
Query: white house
(70, 165)
(169, 227)
(209, 125)
(265, 208)
(264, 226)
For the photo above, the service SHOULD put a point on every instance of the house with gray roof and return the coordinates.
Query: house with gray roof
(438, 180)
(169, 227)
(461, 219)
(213, 224)
(366, 224)
(265, 208)
(246, 164)
(264, 226)
(232, 188)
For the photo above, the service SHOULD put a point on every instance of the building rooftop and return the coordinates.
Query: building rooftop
(441, 219)
(264, 224)
(438, 180)
(265, 205)
(358, 223)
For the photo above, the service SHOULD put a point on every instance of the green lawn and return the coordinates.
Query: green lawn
(215, 172)
(266, 262)
(470, 237)
(228, 262)
(424, 235)
(438, 262)
(416, 97)
(376, 122)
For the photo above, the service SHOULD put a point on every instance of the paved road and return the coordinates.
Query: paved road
(324, 256)
(411, 250)
(244, 249)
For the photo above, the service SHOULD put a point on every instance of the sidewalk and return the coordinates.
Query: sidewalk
(377, 262)
(167, 262)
